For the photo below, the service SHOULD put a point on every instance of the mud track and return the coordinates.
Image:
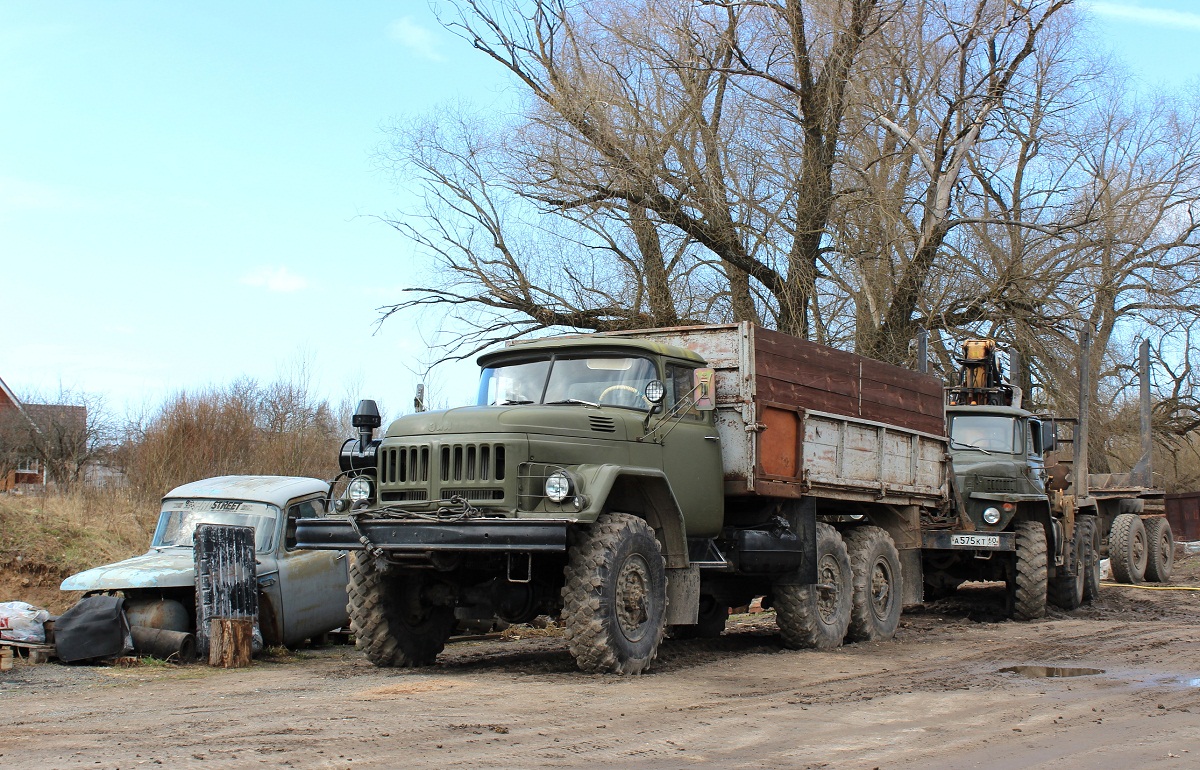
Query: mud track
(933, 697)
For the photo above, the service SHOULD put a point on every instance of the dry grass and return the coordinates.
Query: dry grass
(46, 537)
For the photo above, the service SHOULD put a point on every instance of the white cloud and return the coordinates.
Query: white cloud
(1160, 17)
(276, 279)
(417, 39)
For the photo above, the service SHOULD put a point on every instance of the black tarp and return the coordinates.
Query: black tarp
(92, 629)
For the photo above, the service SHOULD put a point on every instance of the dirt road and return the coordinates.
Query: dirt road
(934, 697)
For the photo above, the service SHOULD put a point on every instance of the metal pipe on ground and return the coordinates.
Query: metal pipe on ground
(175, 646)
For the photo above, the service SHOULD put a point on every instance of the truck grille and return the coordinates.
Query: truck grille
(426, 472)
(998, 485)
(404, 464)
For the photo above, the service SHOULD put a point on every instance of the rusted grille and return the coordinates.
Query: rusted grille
(472, 462)
(998, 485)
(404, 465)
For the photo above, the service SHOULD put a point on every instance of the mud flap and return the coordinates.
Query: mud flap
(912, 572)
(683, 596)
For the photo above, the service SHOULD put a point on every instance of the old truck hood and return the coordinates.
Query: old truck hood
(166, 568)
(559, 419)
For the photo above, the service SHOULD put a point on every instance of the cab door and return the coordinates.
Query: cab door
(312, 584)
(692, 455)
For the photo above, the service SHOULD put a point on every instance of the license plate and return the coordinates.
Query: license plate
(975, 541)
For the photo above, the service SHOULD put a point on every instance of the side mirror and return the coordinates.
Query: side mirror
(1049, 436)
(706, 389)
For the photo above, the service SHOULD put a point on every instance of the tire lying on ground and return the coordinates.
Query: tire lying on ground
(615, 596)
(1028, 585)
(1128, 549)
(876, 600)
(1160, 550)
(392, 624)
(817, 615)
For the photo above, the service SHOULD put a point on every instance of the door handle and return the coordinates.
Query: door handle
(711, 438)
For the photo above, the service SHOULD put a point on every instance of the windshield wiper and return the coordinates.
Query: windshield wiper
(574, 401)
(514, 403)
(961, 445)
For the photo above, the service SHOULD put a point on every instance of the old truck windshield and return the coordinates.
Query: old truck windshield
(604, 380)
(179, 519)
(992, 433)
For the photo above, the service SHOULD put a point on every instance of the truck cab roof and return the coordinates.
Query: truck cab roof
(1006, 411)
(277, 490)
(590, 343)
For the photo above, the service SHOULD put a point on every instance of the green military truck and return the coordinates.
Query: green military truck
(640, 482)
(644, 482)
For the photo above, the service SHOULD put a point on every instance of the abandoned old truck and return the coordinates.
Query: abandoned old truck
(644, 481)
(302, 594)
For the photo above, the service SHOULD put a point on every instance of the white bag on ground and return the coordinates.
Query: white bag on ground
(21, 622)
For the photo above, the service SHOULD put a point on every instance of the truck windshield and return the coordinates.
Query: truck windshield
(179, 519)
(992, 433)
(596, 380)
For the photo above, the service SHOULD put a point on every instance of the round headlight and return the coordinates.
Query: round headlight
(359, 489)
(655, 391)
(991, 515)
(558, 486)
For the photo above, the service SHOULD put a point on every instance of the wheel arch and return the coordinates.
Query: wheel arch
(645, 493)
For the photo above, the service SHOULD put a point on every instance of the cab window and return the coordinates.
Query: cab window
(680, 389)
(309, 509)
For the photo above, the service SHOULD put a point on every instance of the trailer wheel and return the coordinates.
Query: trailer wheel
(711, 622)
(1027, 585)
(615, 596)
(1066, 591)
(392, 624)
(876, 603)
(1160, 556)
(818, 615)
(1127, 548)
(1090, 555)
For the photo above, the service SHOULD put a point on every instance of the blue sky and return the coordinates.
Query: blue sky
(187, 193)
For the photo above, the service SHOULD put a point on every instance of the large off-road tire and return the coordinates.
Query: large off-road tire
(1085, 527)
(1027, 586)
(390, 621)
(1066, 591)
(1127, 548)
(876, 599)
(710, 623)
(615, 597)
(1160, 554)
(817, 615)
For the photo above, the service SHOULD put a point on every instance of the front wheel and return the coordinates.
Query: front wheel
(1160, 552)
(392, 622)
(1127, 551)
(1027, 584)
(876, 604)
(817, 615)
(615, 597)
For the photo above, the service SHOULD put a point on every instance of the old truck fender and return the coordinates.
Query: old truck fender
(644, 492)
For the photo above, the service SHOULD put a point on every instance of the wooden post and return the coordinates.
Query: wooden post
(230, 642)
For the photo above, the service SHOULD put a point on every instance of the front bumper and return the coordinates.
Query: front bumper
(391, 535)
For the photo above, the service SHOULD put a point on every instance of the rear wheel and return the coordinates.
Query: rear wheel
(1087, 534)
(615, 597)
(1027, 585)
(1127, 548)
(876, 604)
(1066, 591)
(1160, 554)
(392, 623)
(817, 615)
